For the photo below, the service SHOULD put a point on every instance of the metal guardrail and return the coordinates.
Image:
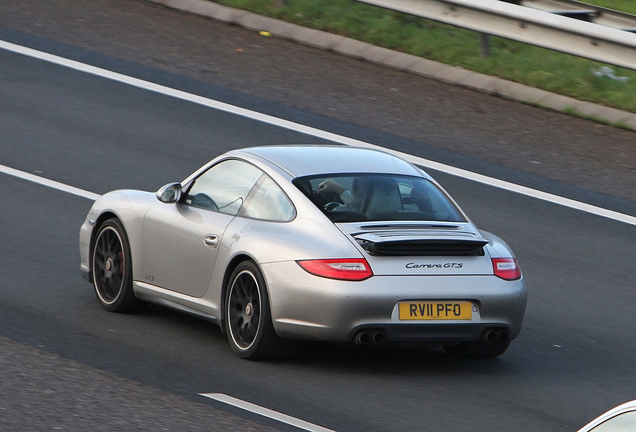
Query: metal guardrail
(583, 11)
(535, 27)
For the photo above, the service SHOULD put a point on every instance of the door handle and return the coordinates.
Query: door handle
(211, 240)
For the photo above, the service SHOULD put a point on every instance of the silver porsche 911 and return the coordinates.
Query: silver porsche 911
(279, 244)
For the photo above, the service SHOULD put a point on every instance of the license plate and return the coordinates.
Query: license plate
(436, 311)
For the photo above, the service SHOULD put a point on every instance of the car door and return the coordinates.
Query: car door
(181, 241)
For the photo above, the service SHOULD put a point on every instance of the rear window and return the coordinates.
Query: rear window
(364, 197)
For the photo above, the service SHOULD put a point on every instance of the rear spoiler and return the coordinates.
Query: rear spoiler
(464, 244)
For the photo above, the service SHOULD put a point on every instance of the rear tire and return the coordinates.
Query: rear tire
(248, 321)
(477, 349)
(112, 269)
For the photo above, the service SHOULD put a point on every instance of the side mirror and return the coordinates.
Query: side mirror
(169, 193)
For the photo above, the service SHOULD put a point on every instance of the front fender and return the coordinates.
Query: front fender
(129, 206)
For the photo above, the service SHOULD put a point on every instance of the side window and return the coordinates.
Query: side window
(224, 186)
(269, 202)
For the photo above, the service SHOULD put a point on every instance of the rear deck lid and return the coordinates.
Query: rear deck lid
(421, 248)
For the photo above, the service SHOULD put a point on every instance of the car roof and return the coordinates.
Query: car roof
(307, 160)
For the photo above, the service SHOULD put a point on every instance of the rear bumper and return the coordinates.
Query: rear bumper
(309, 307)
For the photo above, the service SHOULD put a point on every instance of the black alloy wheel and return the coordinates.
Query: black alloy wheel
(112, 269)
(247, 317)
(245, 309)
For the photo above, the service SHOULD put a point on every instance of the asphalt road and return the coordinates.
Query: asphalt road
(65, 364)
(289, 80)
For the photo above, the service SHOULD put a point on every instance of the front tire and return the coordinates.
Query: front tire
(248, 321)
(112, 269)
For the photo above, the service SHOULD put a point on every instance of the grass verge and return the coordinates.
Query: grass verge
(537, 67)
(628, 6)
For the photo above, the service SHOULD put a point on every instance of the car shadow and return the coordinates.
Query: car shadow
(389, 359)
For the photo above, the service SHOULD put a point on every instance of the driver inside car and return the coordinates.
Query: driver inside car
(352, 199)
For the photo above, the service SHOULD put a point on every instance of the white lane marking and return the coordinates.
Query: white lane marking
(50, 183)
(256, 409)
(167, 91)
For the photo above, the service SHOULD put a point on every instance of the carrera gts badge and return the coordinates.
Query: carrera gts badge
(431, 266)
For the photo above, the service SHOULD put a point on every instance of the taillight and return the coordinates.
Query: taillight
(506, 268)
(354, 269)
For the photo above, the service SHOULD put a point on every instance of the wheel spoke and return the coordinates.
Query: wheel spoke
(243, 288)
(244, 333)
(114, 284)
(251, 332)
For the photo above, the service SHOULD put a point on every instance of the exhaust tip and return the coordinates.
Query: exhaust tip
(370, 336)
(362, 338)
(378, 337)
(490, 336)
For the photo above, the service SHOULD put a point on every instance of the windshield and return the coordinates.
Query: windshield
(363, 197)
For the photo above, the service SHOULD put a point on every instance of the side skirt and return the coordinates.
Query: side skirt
(194, 306)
